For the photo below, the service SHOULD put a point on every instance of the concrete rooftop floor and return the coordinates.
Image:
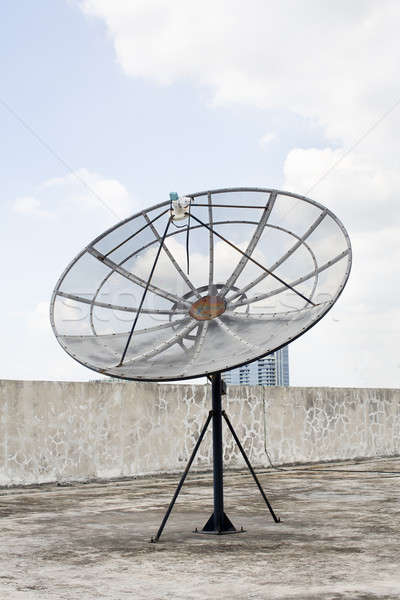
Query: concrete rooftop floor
(339, 538)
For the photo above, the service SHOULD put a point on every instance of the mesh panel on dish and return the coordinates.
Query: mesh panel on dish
(241, 273)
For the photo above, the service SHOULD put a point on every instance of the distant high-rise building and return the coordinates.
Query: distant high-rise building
(270, 370)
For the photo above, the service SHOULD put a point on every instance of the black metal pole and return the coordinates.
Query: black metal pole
(219, 523)
(217, 453)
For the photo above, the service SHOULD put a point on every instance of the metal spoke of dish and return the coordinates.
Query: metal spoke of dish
(164, 346)
(122, 334)
(149, 311)
(250, 248)
(293, 283)
(141, 282)
(235, 335)
(210, 246)
(284, 257)
(198, 345)
(289, 315)
(254, 261)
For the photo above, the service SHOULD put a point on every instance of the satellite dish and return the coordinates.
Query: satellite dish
(264, 267)
(197, 285)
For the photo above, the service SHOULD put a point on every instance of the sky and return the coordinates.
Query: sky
(108, 105)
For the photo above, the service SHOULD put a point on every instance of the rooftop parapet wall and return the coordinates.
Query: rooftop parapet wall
(62, 431)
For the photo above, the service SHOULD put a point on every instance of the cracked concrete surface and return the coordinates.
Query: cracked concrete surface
(339, 537)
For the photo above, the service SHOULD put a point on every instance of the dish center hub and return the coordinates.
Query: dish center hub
(207, 308)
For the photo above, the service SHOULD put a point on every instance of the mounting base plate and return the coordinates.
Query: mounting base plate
(225, 528)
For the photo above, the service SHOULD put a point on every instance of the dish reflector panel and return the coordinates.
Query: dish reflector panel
(264, 267)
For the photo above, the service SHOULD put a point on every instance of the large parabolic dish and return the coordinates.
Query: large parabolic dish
(174, 294)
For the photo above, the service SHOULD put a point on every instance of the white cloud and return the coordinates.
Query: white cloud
(332, 63)
(336, 62)
(81, 205)
(365, 335)
(29, 206)
(90, 191)
(38, 318)
(360, 190)
(267, 139)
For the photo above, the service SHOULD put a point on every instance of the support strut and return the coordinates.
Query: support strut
(182, 480)
(243, 453)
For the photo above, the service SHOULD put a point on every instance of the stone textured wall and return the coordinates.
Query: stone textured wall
(60, 431)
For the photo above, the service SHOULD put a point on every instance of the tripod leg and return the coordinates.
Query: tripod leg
(182, 480)
(276, 519)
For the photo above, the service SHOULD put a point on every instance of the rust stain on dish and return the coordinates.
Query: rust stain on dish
(207, 308)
